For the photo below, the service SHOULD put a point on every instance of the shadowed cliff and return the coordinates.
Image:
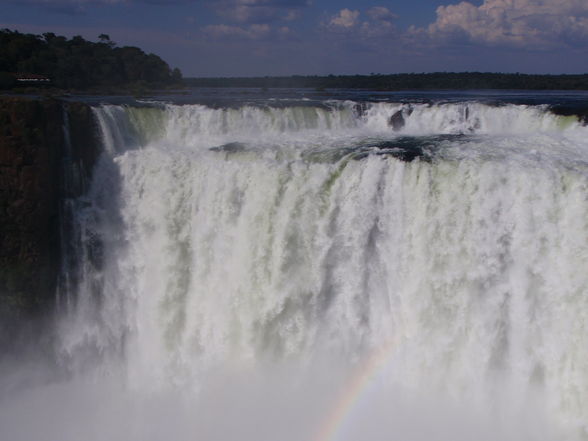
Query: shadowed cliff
(42, 143)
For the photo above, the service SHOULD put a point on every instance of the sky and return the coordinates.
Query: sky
(319, 37)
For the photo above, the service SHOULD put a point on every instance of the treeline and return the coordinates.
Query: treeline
(80, 64)
(416, 81)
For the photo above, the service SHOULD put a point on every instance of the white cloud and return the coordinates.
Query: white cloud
(371, 29)
(251, 32)
(536, 24)
(247, 11)
(381, 13)
(345, 19)
(378, 24)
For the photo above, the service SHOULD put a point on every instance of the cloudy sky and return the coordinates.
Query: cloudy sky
(285, 37)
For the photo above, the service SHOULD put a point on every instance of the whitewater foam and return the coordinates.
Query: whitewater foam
(260, 270)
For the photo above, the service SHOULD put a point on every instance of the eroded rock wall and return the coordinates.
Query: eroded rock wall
(35, 155)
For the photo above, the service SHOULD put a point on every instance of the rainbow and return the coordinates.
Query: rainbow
(347, 401)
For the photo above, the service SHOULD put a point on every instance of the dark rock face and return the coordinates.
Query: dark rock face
(397, 121)
(32, 151)
(85, 143)
(31, 140)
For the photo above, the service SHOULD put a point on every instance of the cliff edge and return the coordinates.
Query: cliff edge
(39, 140)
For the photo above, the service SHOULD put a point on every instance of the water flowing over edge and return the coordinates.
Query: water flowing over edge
(236, 239)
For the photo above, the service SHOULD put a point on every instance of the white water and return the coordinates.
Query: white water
(198, 126)
(235, 294)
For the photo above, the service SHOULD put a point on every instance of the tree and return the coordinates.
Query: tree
(105, 39)
(78, 63)
(176, 75)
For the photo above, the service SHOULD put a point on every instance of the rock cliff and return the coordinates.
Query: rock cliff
(40, 141)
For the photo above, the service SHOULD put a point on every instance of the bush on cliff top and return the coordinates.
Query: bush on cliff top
(80, 64)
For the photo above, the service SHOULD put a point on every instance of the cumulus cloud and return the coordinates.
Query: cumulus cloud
(345, 19)
(381, 13)
(247, 11)
(379, 22)
(521, 23)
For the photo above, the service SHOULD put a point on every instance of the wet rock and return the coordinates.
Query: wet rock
(405, 148)
(360, 109)
(31, 181)
(84, 138)
(231, 147)
(401, 153)
(29, 178)
(396, 121)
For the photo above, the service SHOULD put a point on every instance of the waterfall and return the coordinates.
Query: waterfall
(229, 255)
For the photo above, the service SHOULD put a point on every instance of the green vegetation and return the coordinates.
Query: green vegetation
(80, 64)
(420, 81)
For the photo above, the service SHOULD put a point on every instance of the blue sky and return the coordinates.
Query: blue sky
(286, 37)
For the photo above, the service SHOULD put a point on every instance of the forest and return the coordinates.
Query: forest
(78, 64)
(409, 81)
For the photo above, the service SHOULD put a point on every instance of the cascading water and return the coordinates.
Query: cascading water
(290, 273)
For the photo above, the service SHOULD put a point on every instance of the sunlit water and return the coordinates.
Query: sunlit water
(317, 272)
